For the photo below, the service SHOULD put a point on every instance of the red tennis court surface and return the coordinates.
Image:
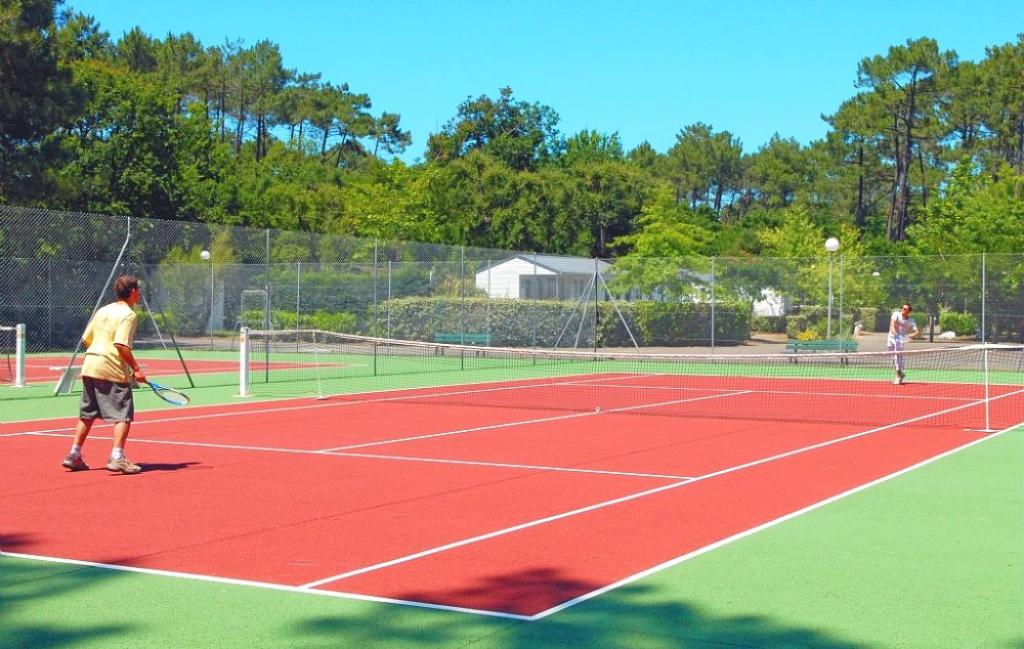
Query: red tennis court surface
(509, 511)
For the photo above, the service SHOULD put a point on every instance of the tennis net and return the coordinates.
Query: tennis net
(974, 386)
(12, 355)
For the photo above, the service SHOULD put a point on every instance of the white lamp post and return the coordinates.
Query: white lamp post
(831, 245)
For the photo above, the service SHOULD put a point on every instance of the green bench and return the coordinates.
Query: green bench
(836, 345)
(462, 339)
(454, 338)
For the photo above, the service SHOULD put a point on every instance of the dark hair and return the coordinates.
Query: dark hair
(124, 284)
(907, 304)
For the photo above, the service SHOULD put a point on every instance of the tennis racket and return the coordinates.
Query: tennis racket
(170, 395)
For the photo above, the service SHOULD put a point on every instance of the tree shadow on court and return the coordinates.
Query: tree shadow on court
(37, 588)
(635, 615)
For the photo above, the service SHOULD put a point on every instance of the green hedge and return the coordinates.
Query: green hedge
(539, 323)
(963, 324)
(871, 317)
(812, 322)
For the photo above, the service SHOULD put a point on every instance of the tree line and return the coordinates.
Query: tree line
(925, 157)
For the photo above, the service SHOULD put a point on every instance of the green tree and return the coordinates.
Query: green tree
(777, 171)
(906, 81)
(1004, 110)
(975, 214)
(521, 134)
(34, 91)
(591, 146)
(666, 253)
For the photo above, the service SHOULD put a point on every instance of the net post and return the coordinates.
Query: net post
(19, 356)
(243, 362)
(988, 426)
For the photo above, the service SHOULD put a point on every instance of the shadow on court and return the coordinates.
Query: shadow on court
(636, 615)
(26, 586)
(148, 467)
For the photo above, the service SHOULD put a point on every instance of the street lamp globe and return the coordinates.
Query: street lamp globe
(831, 244)
(204, 255)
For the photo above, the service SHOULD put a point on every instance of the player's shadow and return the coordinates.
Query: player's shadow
(149, 467)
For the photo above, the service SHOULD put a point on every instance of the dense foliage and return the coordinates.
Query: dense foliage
(925, 158)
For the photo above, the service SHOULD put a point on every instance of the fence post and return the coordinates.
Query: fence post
(266, 306)
(713, 305)
(376, 312)
(597, 303)
(49, 303)
(462, 294)
(984, 299)
(842, 279)
(489, 295)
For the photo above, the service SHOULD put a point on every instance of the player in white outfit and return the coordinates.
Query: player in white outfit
(901, 329)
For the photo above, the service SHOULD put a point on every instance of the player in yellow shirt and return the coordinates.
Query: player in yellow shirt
(108, 370)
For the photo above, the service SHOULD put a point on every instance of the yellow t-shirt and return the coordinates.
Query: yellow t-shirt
(112, 325)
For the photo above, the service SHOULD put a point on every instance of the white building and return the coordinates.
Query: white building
(542, 277)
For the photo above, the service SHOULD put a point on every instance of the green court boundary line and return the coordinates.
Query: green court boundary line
(764, 526)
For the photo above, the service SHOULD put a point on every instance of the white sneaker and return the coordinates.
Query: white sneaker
(897, 381)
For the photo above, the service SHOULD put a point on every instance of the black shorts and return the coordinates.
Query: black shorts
(111, 401)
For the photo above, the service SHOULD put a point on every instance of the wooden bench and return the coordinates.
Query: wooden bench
(835, 345)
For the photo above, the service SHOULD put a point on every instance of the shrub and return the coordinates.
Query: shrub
(868, 315)
(963, 324)
(795, 325)
(540, 323)
(808, 334)
(774, 324)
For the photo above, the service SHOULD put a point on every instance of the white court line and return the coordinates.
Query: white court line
(263, 584)
(377, 456)
(307, 590)
(311, 405)
(574, 415)
(760, 528)
(845, 395)
(615, 501)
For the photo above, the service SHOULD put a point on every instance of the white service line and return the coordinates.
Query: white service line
(616, 501)
(263, 584)
(574, 415)
(376, 456)
(630, 474)
(799, 393)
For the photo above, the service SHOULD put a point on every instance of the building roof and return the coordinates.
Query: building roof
(557, 264)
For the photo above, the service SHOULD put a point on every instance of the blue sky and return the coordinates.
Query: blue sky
(644, 69)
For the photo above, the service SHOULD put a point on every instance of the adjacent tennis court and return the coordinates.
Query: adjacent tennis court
(425, 471)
